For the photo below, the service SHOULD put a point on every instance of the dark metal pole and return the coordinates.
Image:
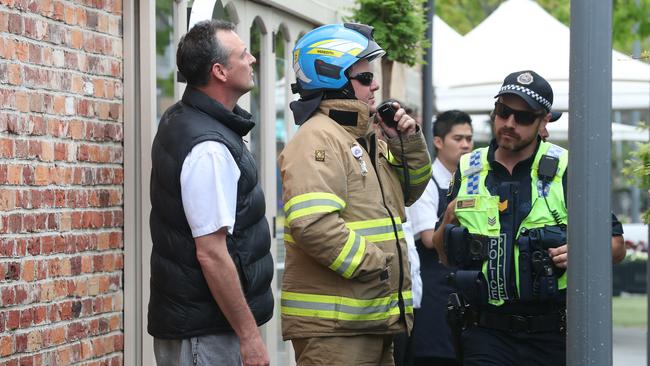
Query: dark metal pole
(427, 81)
(589, 337)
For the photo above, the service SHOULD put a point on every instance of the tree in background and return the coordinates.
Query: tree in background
(399, 29)
(631, 21)
(638, 171)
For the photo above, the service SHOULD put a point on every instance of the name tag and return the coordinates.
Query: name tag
(466, 203)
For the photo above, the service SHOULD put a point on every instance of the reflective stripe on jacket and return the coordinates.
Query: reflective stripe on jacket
(478, 211)
(346, 266)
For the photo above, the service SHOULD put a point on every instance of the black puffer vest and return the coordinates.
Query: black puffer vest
(181, 305)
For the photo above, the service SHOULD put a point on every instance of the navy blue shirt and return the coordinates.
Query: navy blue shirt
(516, 188)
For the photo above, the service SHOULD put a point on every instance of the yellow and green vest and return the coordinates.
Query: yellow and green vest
(478, 211)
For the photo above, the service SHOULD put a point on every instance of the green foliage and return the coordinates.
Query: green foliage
(164, 25)
(631, 21)
(464, 15)
(637, 169)
(399, 27)
(166, 85)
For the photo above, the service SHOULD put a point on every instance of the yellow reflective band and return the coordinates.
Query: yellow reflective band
(288, 238)
(416, 176)
(368, 224)
(355, 51)
(377, 230)
(340, 308)
(312, 203)
(350, 256)
(420, 175)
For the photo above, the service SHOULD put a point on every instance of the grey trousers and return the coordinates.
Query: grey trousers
(215, 349)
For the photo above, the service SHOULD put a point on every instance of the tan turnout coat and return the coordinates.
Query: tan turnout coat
(346, 267)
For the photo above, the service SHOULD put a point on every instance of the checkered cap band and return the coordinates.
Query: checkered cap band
(540, 99)
(473, 179)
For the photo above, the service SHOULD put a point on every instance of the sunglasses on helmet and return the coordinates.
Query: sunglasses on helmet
(524, 118)
(365, 78)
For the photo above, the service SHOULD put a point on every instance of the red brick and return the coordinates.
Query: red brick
(26, 318)
(6, 345)
(6, 148)
(57, 336)
(21, 247)
(65, 310)
(4, 22)
(58, 10)
(76, 38)
(45, 8)
(69, 14)
(35, 54)
(22, 101)
(64, 356)
(33, 248)
(76, 331)
(38, 126)
(36, 103)
(27, 360)
(40, 314)
(41, 271)
(80, 14)
(7, 200)
(15, 76)
(42, 175)
(34, 340)
(28, 270)
(16, 25)
(21, 343)
(28, 175)
(117, 7)
(47, 244)
(13, 270)
(13, 318)
(21, 295)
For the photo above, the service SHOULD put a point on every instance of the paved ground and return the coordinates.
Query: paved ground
(629, 347)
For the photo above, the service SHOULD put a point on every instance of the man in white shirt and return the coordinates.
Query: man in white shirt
(431, 341)
(211, 266)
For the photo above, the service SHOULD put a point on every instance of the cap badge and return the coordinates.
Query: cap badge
(525, 78)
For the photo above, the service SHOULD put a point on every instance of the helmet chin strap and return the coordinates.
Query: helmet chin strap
(346, 92)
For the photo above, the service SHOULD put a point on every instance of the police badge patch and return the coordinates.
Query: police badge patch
(525, 78)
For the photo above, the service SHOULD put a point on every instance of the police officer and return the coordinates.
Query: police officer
(509, 204)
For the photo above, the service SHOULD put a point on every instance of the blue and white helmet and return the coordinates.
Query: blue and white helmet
(322, 56)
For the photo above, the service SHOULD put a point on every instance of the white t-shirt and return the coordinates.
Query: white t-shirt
(209, 188)
(423, 213)
(414, 261)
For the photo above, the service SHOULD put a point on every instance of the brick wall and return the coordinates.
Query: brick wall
(61, 182)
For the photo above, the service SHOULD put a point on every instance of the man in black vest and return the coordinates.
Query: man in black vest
(452, 137)
(211, 266)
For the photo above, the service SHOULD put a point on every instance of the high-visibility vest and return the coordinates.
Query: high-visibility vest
(478, 211)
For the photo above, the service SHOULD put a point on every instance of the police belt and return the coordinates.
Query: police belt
(552, 322)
